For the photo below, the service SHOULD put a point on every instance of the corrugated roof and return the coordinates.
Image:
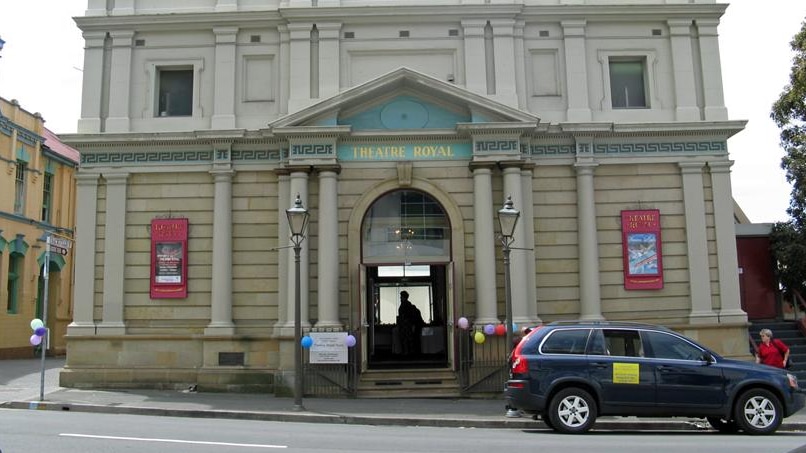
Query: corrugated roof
(52, 141)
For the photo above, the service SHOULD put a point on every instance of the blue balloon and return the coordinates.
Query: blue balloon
(489, 329)
(306, 342)
(40, 331)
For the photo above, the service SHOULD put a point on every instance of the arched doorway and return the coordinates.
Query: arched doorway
(406, 248)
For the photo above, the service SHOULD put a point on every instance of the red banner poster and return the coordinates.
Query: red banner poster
(169, 253)
(641, 244)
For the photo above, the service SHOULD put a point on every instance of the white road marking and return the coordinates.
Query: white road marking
(173, 441)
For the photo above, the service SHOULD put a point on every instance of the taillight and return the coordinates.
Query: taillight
(519, 365)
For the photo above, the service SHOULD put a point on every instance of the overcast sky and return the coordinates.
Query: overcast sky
(41, 64)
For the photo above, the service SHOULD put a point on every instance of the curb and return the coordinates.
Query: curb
(605, 424)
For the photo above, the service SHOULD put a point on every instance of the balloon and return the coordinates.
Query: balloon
(35, 340)
(489, 329)
(349, 341)
(36, 323)
(40, 331)
(306, 342)
(463, 324)
(514, 327)
(478, 337)
(501, 330)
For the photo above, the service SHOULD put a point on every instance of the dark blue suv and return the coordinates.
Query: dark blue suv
(569, 373)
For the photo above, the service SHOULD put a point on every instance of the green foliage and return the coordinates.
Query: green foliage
(788, 239)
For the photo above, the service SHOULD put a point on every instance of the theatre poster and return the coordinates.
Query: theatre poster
(642, 248)
(169, 240)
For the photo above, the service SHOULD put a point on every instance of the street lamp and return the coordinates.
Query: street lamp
(297, 223)
(507, 219)
(46, 237)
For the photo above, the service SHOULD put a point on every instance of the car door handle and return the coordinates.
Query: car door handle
(599, 364)
(666, 369)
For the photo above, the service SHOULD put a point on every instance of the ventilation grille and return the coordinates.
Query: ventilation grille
(453, 32)
(349, 34)
(254, 38)
(230, 359)
(657, 32)
(544, 33)
(404, 33)
(139, 42)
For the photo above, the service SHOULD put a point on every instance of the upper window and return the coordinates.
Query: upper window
(19, 188)
(175, 92)
(47, 197)
(666, 346)
(624, 343)
(627, 83)
(566, 341)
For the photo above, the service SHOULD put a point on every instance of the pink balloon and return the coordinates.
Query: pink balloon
(463, 323)
(35, 340)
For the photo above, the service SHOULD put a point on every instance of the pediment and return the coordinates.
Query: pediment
(404, 100)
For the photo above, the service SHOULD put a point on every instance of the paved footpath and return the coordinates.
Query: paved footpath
(20, 382)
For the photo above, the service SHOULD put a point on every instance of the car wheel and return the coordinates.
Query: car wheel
(546, 420)
(722, 425)
(572, 411)
(758, 411)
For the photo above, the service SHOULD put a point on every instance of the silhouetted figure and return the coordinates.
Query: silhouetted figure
(409, 324)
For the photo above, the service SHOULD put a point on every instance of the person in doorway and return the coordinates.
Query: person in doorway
(409, 323)
(771, 351)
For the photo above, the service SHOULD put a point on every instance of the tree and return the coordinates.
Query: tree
(788, 239)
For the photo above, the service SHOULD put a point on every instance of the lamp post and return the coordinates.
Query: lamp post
(297, 223)
(46, 337)
(507, 219)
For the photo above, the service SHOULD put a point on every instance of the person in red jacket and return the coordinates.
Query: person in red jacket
(771, 351)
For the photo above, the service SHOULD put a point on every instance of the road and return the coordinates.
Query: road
(65, 432)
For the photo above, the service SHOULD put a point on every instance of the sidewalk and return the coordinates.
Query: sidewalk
(20, 382)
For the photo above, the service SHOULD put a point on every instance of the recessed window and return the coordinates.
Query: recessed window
(349, 34)
(404, 33)
(47, 197)
(19, 188)
(254, 38)
(627, 83)
(544, 33)
(175, 92)
(453, 32)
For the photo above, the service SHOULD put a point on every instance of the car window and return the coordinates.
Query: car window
(596, 344)
(666, 346)
(624, 343)
(566, 341)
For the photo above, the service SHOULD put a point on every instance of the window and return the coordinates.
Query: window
(570, 341)
(47, 197)
(175, 92)
(19, 194)
(15, 266)
(665, 346)
(624, 343)
(627, 87)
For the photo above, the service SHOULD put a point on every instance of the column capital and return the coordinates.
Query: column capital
(691, 167)
(721, 166)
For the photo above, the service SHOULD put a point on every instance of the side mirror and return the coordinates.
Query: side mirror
(708, 358)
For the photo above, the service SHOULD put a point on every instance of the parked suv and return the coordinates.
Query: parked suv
(569, 373)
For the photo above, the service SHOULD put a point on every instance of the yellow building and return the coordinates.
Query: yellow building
(37, 197)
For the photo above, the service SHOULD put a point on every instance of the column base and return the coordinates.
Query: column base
(220, 329)
(110, 328)
(81, 328)
(702, 317)
(735, 315)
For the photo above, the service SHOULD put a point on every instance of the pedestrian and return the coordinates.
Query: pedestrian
(771, 351)
(409, 323)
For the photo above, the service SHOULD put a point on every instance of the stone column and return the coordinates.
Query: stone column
(298, 184)
(114, 254)
(683, 64)
(223, 6)
(284, 326)
(84, 253)
(697, 243)
(91, 91)
(576, 72)
(300, 66)
(475, 74)
(520, 67)
(329, 59)
(224, 86)
(518, 267)
(221, 303)
(284, 71)
(715, 109)
(528, 219)
(484, 245)
(123, 8)
(725, 227)
(504, 45)
(328, 249)
(120, 81)
(590, 304)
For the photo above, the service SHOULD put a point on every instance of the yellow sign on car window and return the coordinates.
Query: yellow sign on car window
(625, 373)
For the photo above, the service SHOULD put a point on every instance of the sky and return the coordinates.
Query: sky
(42, 60)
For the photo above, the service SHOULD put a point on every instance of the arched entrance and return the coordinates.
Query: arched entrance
(406, 250)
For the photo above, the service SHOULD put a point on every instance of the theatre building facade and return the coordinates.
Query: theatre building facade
(402, 128)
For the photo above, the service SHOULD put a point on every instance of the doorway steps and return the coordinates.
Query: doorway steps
(788, 332)
(409, 383)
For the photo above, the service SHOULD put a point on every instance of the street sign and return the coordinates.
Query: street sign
(58, 250)
(60, 242)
